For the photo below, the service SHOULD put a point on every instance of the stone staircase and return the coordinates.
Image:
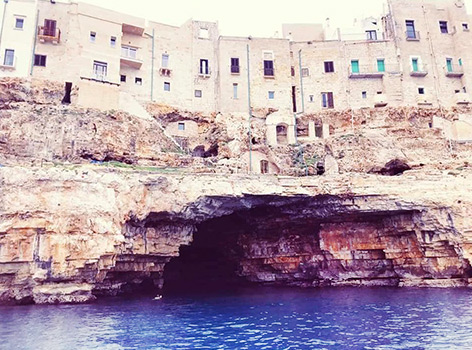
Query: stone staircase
(130, 105)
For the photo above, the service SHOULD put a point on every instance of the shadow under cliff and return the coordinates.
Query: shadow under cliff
(222, 243)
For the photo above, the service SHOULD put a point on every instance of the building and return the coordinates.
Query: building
(417, 54)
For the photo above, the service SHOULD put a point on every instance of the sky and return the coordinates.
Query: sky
(259, 18)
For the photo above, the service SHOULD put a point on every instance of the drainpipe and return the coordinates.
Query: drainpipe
(301, 80)
(34, 41)
(249, 109)
(303, 108)
(152, 65)
(3, 19)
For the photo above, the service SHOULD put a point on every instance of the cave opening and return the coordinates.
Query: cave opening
(297, 242)
(211, 262)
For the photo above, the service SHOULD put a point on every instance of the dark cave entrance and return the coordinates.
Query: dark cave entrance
(211, 262)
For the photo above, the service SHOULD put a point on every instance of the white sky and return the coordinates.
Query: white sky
(249, 17)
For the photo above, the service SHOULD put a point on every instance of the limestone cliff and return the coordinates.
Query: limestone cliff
(71, 235)
(103, 203)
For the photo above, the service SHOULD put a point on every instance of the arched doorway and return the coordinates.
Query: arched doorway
(282, 131)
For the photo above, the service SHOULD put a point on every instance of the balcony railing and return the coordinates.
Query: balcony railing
(46, 34)
(365, 72)
(412, 35)
(454, 71)
(130, 57)
(420, 71)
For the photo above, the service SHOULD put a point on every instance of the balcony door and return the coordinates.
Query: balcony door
(49, 27)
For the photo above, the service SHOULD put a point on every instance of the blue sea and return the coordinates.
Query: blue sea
(256, 318)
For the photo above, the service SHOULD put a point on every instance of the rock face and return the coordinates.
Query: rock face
(73, 235)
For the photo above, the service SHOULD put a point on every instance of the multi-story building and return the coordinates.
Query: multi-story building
(417, 54)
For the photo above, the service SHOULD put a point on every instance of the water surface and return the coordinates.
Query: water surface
(262, 318)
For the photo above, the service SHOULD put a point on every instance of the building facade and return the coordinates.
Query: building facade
(417, 54)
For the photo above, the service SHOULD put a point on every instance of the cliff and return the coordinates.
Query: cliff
(71, 235)
(99, 203)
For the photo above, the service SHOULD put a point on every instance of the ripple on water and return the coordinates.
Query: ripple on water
(344, 318)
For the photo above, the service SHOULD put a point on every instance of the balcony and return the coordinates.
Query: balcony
(380, 100)
(454, 71)
(462, 98)
(424, 100)
(204, 73)
(361, 72)
(165, 72)
(129, 57)
(136, 28)
(420, 71)
(52, 35)
(412, 35)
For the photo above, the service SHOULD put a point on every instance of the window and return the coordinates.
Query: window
(271, 95)
(460, 62)
(329, 67)
(449, 64)
(235, 65)
(327, 100)
(364, 94)
(421, 90)
(19, 23)
(123, 78)
(100, 69)
(311, 98)
(371, 34)
(50, 28)
(165, 60)
(166, 86)
(204, 33)
(465, 27)
(198, 93)
(305, 72)
(93, 37)
(410, 29)
(355, 66)
(138, 81)
(9, 59)
(181, 126)
(292, 71)
(381, 65)
(264, 167)
(40, 60)
(204, 69)
(268, 68)
(457, 91)
(415, 65)
(113, 41)
(130, 52)
(443, 27)
(235, 91)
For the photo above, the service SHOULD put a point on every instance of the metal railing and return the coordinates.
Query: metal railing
(419, 70)
(49, 34)
(454, 70)
(366, 71)
(412, 35)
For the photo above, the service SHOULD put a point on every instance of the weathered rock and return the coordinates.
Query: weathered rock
(72, 235)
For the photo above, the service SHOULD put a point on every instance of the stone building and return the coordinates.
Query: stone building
(417, 54)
